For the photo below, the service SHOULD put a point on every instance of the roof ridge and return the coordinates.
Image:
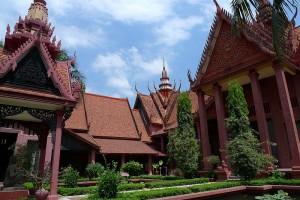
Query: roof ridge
(108, 97)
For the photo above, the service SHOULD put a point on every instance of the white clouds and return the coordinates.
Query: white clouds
(176, 30)
(122, 68)
(73, 36)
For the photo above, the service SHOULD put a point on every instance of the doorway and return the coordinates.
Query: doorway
(7, 141)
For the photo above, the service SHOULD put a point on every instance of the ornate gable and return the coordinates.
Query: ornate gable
(230, 54)
(30, 73)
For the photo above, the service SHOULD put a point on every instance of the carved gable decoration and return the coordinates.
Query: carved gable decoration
(31, 73)
(230, 54)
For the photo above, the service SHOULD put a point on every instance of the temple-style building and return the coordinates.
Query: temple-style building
(270, 86)
(37, 94)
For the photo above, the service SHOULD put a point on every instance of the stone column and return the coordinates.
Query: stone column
(122, 159)
(220, 110)
(288, 116)
(206, 150)
(260, 113)
(56, 156)
(92, 157)
(48, 150)
(43, 143)
(149, 164)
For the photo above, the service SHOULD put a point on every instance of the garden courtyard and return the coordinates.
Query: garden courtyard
(234, 134)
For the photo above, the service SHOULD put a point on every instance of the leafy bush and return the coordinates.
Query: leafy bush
(280, 195)
(244, 151)
(157, 177)
(94, 170)
(183, 146)
(133, 168)
(76, 191)
(28, 185)
(214, 161)
(24, 154)
(161, 184)
(70, 176)
(131, 186)
(108, 186)
(275, 174)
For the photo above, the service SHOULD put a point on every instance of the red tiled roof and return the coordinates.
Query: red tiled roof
(150, 109)
(78, 118)
(85, 137)
(114, 146)
(2, 54)
(109, 117)
(141, 126)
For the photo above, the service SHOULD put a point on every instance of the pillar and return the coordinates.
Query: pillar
(149, 164)
(260, 113)
(288, 116)
(56, 156)
(48, 150)
(22, 139)
(122, 159)
(206, 150)
(162, 144)
(198, 133)
(220, 110)
(92, 157)
(43, 148)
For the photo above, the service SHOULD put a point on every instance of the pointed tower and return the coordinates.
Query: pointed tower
(165, 87)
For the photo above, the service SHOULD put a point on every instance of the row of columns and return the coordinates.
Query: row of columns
(287, 112)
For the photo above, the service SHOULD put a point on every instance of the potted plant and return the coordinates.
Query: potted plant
(155, 167)
(31, 187)
(214, 162)
(40, 180)
(160, 163)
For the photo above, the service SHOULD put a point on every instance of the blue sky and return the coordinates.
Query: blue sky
(120, 42)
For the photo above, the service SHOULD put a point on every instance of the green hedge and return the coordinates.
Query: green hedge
(76, 191)
(260, 182)
(161, 184)
(214, 186)
(155, 193)
(157, 177)
(131, 186)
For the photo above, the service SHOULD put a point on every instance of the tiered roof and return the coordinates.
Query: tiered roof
(35, 32)
(111, 123)
(259, 33)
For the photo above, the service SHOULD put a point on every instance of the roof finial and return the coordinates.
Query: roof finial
(164, 66)
(219, 10)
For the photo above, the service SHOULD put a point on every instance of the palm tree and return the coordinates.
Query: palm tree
(76, 74)
(243, 14)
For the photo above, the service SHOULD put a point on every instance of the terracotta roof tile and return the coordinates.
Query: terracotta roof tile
(62, 70)
(141, 126)
(78, 118)
(3, 56)
(114, 146)
(150, 108)
(194, 99)
(85, 137)
(109, 117)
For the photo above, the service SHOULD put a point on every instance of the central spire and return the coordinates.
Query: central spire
(38, 11)
(164, 87)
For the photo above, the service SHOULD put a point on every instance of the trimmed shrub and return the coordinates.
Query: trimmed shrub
(131, 186)
(214, 161)
(157, 177)
(76, 191)
(70, 176)
(214, 186)
(108, 186)
(142, 195)
(261, 182)
(133, 168)
(176, 183)
(94, 170)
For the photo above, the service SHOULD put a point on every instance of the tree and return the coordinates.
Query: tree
(243, 14)
(244, 152)
(183, 146)
(1, 44)
(76, 74)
